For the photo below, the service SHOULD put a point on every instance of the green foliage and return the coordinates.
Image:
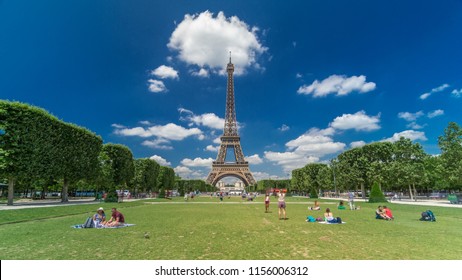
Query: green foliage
(36, 145)
(450, 144)
(166, 178)
(120, 159)
(111, 197)
(313, 193)
(376, 194)
(162, 193)
(146, 173)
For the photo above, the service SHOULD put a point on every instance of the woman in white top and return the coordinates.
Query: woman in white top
(282, 205)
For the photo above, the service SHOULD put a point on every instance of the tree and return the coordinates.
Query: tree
(376, 194)
(120, 160)
(146, 173)
(34, 145)
(450, 144)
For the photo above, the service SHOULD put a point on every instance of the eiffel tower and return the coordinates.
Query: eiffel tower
(230, 140)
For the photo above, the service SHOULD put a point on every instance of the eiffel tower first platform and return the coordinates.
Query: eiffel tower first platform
(230, 141)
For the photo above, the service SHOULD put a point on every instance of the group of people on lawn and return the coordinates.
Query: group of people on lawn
(99, 218)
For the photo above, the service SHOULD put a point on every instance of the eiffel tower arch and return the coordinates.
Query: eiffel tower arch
(230, 140)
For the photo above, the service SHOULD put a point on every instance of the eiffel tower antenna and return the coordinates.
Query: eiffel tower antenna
(230, 140)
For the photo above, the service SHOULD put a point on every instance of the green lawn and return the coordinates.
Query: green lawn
(230, 230)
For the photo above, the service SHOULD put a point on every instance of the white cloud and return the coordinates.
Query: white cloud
(197, 162)
(205, 41)
(306, 148)
(143, 123)
(435, 113)
(157, 144)
(357, 144)
(298, 76)
(457, 93)
(338, 84)
(119, 126)
(217, 140)
(184, 171)
(414, 125)
(289, 160)
(358, 121)
(160, 160)
(209, 120)
(434, 90)
(212, 148)
(284, 127)
(204, 73)
(410, 134)
(169, 131)
(165, 72)
(156, 86)
(410, 116)
(254, 159)
(261, 175)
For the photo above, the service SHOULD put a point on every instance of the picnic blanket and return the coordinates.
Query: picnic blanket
(120, 226)
(323, 222)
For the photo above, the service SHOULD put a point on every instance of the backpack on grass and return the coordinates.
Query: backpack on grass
(428, 216)
(88, 223)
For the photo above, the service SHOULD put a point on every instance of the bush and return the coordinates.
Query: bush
(111, 197)
(313, 194)
(376, 194)
(162, 193)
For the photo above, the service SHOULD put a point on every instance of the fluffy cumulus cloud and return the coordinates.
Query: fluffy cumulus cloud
(203, 73)
(254, 159)
(165, 72)
(357, 144)
(186, 172)
(410, 134)
(197, 162)
(158, 144)
(457, 93)
(209, 120)
(204, 41)
(289, 160)
(212, 148)
(337, 84)
(358, 121)
(435, 113)
(410, 116)
(169, 131)
(434, 90)
(160, 160)
(156, 86)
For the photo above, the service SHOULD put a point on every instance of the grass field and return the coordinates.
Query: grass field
(205, 229)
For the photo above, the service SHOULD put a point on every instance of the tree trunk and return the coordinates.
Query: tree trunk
(415, 191)
(10, 191)
(363, 190)
(64, 197)
(410, 192)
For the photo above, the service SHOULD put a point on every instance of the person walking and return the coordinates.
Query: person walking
(282, 205)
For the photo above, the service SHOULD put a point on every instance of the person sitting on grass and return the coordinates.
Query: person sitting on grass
(329, 216)
(99, 218)
(341, 206)
(388, 212)
(380, 214)
(316, 206)
(117, 219)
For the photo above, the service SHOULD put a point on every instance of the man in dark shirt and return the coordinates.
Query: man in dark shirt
(117, 218)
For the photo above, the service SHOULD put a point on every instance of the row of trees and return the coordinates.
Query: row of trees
(399, 166)
(40, 151)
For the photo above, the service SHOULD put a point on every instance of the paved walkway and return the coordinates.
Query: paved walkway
(53, 203)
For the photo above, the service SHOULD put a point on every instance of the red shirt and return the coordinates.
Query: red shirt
(388, 213)
(119, 215)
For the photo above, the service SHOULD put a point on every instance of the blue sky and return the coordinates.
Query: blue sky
(313, 78)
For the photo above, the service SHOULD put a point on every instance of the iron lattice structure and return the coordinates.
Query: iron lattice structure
(230, 140)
